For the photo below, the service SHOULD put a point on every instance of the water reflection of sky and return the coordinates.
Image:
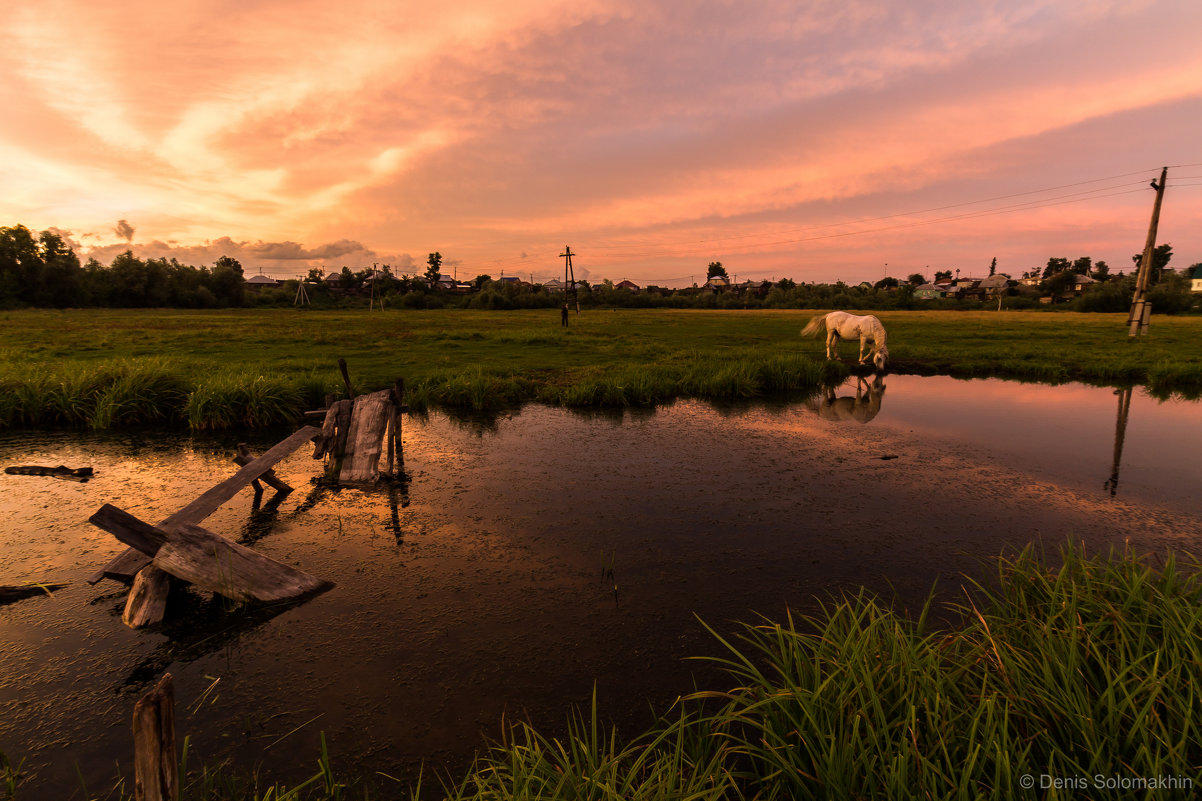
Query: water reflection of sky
(1066, 432)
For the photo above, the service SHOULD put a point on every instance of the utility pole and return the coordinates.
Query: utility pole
(302, 297)
(1141, 310)
(569, 276)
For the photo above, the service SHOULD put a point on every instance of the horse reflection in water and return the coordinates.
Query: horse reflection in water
(865, 405)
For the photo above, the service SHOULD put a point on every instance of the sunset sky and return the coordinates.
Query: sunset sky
(814, 140)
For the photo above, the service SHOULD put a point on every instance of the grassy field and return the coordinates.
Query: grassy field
(253, 367)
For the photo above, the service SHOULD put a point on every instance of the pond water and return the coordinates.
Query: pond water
(532, 558)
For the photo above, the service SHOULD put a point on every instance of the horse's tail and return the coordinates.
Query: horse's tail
(814, 326)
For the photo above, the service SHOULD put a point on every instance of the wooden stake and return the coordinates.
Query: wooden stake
(156, 771)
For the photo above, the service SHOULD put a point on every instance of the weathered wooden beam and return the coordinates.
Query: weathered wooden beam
(133, 532)
(210, 561)
(208, 503)
(147, 600)
(270, 478)
(396, 447)
(342, 426)
(156, 771)
(123, 567)
(346, 377)
(369, 424)
(325, 442)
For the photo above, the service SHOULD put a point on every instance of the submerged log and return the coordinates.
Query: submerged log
(10, 595)
(209, 560)
(365, 439)
(156, 770)
(62, 471)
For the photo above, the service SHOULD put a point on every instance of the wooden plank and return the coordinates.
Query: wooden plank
(369, 423)
(122, 567)
(147, 601)
(212, 562)
(270, 478)
(342, 425)
(208, 503)
(156, 771)
(130, 561)
(325, 441)
(209, 560)
(129, 529)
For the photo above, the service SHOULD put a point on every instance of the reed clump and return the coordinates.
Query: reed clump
(129, 392)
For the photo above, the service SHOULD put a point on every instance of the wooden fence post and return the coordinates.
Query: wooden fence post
(156, 771)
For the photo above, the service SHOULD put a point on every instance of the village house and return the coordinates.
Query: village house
(260, 281)
(629, 286)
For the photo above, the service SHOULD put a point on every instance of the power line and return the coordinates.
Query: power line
(691, 247)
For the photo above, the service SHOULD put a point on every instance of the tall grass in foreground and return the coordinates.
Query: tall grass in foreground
(121, 393)
(1089, 672)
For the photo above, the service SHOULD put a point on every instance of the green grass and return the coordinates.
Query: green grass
(108, 368)
(1091, 667)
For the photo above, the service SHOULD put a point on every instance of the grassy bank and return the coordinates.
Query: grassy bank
(108, 368)
(1090, 671)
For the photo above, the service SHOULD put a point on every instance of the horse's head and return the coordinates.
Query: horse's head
(879, 357)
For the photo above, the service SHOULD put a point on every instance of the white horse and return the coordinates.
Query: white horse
(850, 326)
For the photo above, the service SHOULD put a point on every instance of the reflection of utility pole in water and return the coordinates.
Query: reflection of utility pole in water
(1120, 431)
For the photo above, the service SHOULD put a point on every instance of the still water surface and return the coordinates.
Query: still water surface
(531, 558)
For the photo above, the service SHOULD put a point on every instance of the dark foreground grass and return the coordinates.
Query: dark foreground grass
(1089, 673)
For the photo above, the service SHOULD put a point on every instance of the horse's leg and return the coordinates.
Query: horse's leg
(832, 339)
(863, 342)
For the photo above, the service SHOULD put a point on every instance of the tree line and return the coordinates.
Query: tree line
(43, 271)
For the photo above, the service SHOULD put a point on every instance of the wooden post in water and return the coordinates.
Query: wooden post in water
(1141, 310)
(396, 452)
(156, 771)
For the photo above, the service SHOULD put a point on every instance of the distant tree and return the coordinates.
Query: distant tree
(916, 279)
(1160, 260)
(786, 283)
(1083, 265)
(886, 283)
(943, 275)
(434, 262)
(1101, 270)
(227, 283)
(482, 279)
(316, 275)
(993, 267)
(715, 270)
(1054, 266)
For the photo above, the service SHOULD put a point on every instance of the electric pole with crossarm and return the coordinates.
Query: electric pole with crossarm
(569, 277)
